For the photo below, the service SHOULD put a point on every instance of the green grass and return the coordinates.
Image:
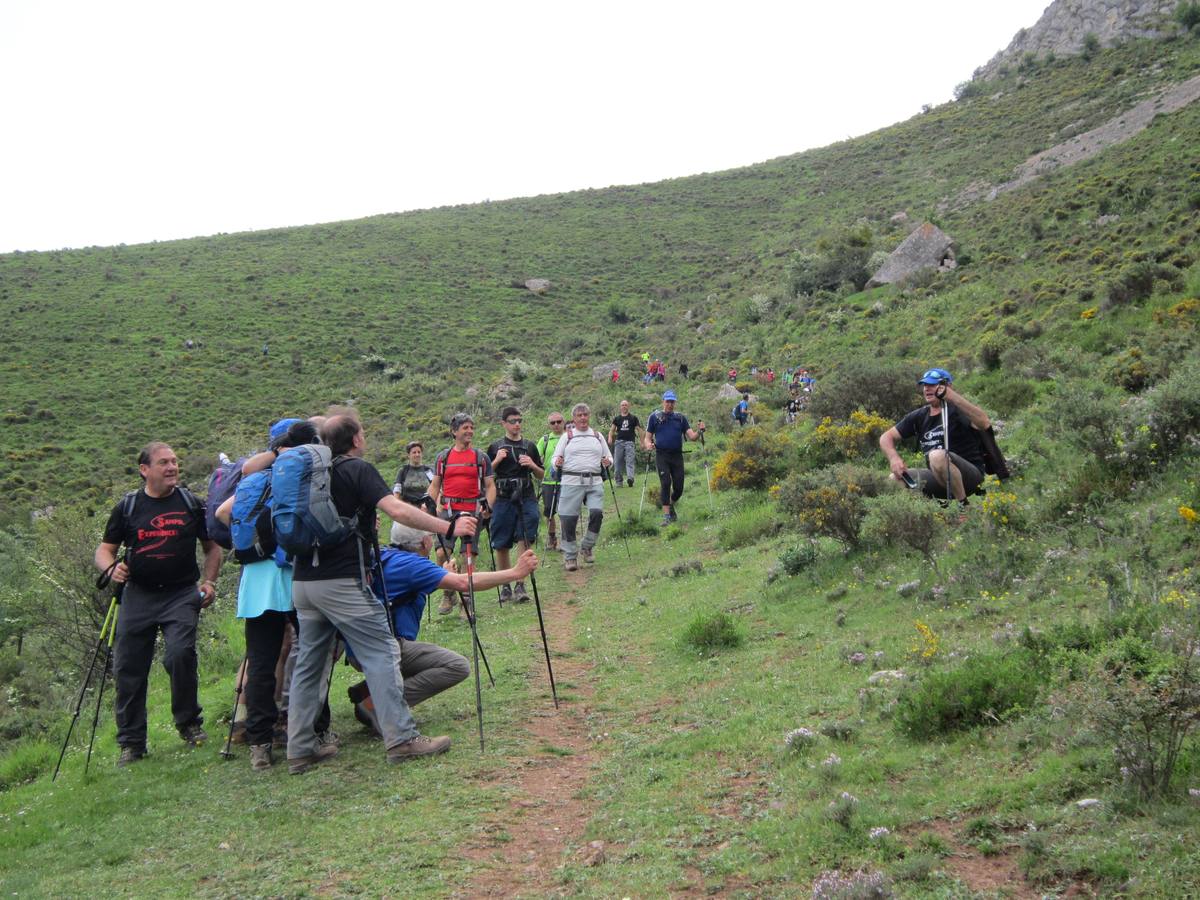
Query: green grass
(693, 788)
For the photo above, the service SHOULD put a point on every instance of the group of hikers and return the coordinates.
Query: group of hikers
(301, 520)
(303, 604)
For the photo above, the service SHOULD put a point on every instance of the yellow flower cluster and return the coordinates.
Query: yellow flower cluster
(1089, 313)
(1188, 514)
(926, 647)
(1002, 508)
(856, 438)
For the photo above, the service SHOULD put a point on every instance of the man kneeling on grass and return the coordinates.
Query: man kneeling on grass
(410, 578)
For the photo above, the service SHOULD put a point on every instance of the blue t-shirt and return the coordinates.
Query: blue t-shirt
(265, 586)
(410, 580)
(668, 429)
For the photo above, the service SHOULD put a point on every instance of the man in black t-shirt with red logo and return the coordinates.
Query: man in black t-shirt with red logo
(159, 526)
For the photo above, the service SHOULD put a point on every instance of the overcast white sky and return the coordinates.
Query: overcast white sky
(129, 122)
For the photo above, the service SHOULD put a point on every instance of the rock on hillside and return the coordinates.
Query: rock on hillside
(1066, 23)
(926, 248)
(604, 371)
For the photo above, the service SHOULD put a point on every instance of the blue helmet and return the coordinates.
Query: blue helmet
(935, 376)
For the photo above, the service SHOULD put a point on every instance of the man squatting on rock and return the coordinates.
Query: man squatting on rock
(966, 449)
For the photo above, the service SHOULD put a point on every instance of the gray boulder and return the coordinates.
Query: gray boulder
(728, 392)
(926, 248)
(538, 285)
(604, 371)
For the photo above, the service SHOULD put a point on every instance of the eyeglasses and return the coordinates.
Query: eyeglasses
(556, 421)
(514, 421)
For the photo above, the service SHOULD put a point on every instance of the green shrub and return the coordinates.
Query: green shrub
(831, 502)
(25, 762)
(851, 440)
(903, 518)
(709, 633)
(1187, 14)
(985, 690)
(755, 458)
(888, 389)
(1010, 396)
(1134, 283)
(795, 560)
(749, 525)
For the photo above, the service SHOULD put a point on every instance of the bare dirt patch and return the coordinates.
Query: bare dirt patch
(998, 875)
(523, 845)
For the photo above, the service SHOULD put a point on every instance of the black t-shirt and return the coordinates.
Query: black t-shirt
(413, 482)
(626, 427)
(161, 533)
(356, 486)
(509, 469)
(964, 439)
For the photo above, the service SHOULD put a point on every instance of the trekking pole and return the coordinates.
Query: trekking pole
(946, 441)
(227, 753)
(607, 476)
(467, 548)
(487, 526)
(103, 678)
(645, 483)
(108, 620)
(537, 602)
(707, 473)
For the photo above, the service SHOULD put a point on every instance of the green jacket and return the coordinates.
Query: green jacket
(545, 446)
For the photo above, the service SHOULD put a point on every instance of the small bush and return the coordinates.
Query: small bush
(747, 526)
(1011, 396)
(25, 762)
(708, 634)
(985, 690)
(1187, 14)
(852, 440)
(1134, 283)
(831, 502)
(887, 389)
(902, 518)
(795, 560)
(755, 458)
(861, 885)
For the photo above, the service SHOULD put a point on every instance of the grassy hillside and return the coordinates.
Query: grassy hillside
(93, 350)
(1048, 641)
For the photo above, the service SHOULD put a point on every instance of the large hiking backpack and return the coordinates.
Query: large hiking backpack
(302, 510)
(993, 460)
(250, 519)
(221, 484)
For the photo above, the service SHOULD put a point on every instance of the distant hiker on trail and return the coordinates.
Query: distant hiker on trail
(333, 597)
(410, 578)
(515, 463)
(806, 381)
(966, 449)
(264, 600)
(545, 447)
(683, 370)
(622, 437)
(793, 408)
(580, 457)
(159, 525)
(732, 374)
(741, 411)
(665, 433)
(615, 376)
(463, 484)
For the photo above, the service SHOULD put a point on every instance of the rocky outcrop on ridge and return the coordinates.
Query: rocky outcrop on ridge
(1065, 25)
(926, 248)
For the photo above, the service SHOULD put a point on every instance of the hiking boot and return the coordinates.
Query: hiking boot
(588, 556)
(506, 594)
(299, 764)
(552, 542)
(629, 482)
(418, 746)
(130, 755)
(193, 734)
(447, 604)
(260, 757)
(570, 565)
(519, 592)
(666, 520)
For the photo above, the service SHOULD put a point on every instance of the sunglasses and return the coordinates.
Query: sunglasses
(514, 421)
(556, 421)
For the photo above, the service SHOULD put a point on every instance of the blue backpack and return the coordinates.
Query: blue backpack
(221, 484)
(250, 523)
(302, 510)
